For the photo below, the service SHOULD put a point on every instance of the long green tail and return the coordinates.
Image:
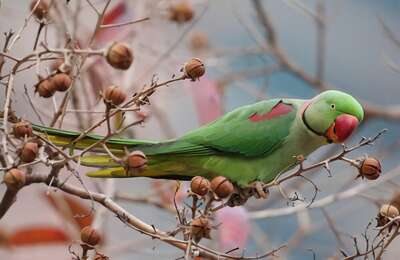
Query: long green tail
(66, 138)
(165, 159)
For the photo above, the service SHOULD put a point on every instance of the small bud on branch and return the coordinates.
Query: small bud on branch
(29, 152)
(114, 95)
(90, 236)
(119, 56)
(22, 129)
(200, 185)
(222, 187)
(14, 179)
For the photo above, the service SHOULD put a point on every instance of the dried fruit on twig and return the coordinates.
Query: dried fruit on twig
(29, 152)
(14, 179)
(181, 12)
(61, 81)
(42, 10)
(90, 236)
(200, 185)
(222, 187)
(389, 211)
(119, 56)
(198, 41)
(114, 95)
(22, 129)
(45, 88)
(136, 160)
(370, 168)
(200, 228)
(194, 68)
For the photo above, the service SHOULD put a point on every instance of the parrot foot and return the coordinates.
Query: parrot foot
(237, 199)
(258, 190)
(242, 194)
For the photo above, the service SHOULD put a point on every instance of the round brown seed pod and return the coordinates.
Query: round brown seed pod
(136, 160)
(61, 81)
(119, 56)
(14, 179)
(181, 12)
(370, 168)
(90, 236)
(22, 129)
(114, 95)
(29, 152)
(45, 88)
(194, 68)
(389, 211)
(200, 185)
(200, 228)
(42, 10)
(222, 187)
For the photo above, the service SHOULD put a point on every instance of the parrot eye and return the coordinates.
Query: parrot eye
(333, 106)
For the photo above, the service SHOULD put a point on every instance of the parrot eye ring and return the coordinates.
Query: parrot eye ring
(333, 106)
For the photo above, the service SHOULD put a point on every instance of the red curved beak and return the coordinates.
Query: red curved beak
(342, 128)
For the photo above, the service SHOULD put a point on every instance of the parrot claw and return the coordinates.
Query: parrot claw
(242, 194)
(259, 191)
(237, 199)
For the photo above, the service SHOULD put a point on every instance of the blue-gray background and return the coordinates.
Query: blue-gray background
(356, 45)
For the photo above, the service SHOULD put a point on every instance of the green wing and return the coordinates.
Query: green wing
(235, 134)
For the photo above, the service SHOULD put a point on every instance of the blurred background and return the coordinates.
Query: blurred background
(357, 56)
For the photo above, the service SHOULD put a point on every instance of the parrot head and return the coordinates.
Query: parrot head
(333, 114)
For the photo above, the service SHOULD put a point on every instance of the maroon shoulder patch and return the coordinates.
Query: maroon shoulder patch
(279, 109)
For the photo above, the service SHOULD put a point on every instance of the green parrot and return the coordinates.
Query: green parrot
(253, 143)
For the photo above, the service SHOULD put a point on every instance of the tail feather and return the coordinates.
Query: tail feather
(166, 160)
(150, 172)
(67, 139)
(159, 167)
(120, 172)
(113, 172)
(99, 161)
